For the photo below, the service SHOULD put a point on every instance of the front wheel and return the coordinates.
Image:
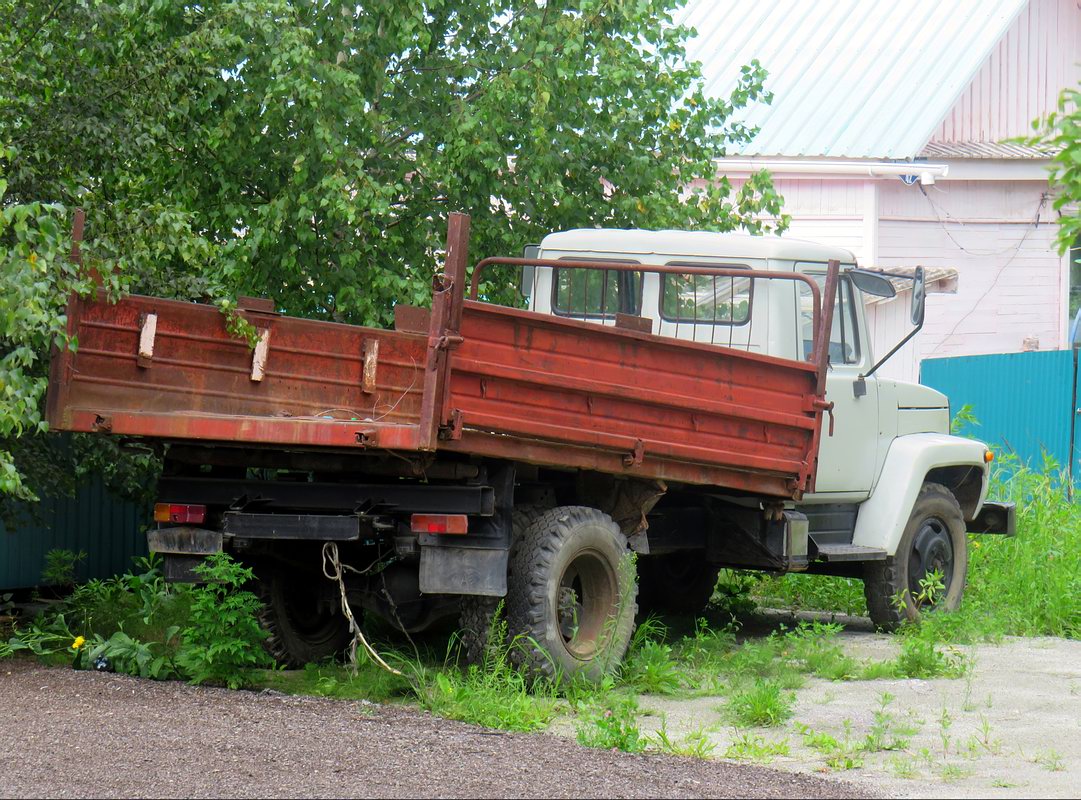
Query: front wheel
(929, 569)
(571, 593)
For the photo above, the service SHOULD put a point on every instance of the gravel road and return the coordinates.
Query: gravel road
(81, 734)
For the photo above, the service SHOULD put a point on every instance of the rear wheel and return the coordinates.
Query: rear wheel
(303, 626)
(571, 593)
(933, 544)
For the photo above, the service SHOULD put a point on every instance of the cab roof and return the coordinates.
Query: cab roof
(702, 244)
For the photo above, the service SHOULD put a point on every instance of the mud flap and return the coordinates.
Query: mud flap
(183, 548)
(475, 563)
(463, 570)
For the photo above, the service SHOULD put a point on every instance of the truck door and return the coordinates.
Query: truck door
(846, 460)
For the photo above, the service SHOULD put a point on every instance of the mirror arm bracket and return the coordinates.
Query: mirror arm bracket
(859, 388)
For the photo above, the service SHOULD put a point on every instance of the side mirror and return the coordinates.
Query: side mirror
(872, 283)
(919, 297)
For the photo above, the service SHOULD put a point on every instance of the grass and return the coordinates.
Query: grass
(369, 682)
(750, 747)
(695, 744)
(612, 724)
(765, 704)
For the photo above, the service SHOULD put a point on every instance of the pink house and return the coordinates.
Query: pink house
(887, 135)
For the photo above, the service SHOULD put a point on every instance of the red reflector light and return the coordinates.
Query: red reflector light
(173, 512)
(439, 523)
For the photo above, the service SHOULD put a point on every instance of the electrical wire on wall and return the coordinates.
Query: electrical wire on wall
(1016, 249)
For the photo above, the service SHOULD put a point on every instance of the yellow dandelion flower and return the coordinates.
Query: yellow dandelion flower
(79, 642)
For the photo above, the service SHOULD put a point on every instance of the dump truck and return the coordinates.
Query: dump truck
(651, 407)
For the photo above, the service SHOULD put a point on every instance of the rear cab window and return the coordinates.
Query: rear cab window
(596, 293)
(706, 299)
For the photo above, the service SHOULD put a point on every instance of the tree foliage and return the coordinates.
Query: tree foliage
(1060, 131)
(309, 151)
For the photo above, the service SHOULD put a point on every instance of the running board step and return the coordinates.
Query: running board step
(850, 552)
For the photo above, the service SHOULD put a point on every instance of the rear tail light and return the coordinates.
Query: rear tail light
(439, 523)
(174, 512)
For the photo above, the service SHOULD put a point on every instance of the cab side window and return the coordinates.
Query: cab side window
(844, 336)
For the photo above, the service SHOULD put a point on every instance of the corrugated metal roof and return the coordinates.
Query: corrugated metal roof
(850, 78)
(985, 150)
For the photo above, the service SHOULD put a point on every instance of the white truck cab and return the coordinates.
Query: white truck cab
(895, 493)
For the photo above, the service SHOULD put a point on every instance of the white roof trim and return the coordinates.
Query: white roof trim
(694, 244)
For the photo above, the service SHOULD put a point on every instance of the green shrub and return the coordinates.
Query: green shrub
(920, 658)
(223, 637)
(651, 669)
(815, 649)
(60, 566)
(130, 656)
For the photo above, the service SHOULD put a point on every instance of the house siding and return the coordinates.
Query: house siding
(1022, 78)
(1009, 273)
(998, 235)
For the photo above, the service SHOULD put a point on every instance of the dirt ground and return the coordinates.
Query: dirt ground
(1010, 728)
(83, 734)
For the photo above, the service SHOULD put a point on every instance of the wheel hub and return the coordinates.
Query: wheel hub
(586, 601)
(932, 552)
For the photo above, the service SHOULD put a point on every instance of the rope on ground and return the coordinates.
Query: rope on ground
(334, 570)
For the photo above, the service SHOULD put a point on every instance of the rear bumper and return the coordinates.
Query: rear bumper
(997, 518)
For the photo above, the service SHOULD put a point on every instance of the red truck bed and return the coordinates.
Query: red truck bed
(468, 377)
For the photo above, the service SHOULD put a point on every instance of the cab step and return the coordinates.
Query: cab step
(850, 552)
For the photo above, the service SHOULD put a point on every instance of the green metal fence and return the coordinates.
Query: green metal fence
(1026, 403)
(110, 531)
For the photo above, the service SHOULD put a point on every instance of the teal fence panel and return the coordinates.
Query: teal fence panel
(1075, 415)
(110, 531)
(1024, 402)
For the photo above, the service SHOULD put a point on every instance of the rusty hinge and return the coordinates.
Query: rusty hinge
(634, 458)
(453, 428)
(446, 342)
(827, 406)
(449, 341)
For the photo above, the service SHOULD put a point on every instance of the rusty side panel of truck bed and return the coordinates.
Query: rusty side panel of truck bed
(483, 380)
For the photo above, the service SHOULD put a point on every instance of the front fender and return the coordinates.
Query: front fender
(882, 517)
